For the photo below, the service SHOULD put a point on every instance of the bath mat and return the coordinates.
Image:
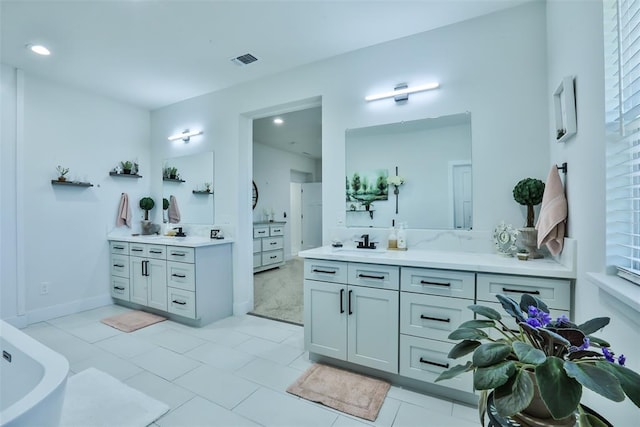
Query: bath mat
(345, 391)
(132, 320)
(96, 399)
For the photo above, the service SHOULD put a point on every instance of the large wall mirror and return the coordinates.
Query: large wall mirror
(433, 155)
(189, 187)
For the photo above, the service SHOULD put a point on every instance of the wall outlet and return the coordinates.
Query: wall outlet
(44, 288)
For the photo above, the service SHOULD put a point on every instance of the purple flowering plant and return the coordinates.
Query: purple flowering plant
(561, 356)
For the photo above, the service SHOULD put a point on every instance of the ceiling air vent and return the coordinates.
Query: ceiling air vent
(245, 59)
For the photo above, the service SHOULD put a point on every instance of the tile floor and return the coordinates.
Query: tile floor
(233, 372)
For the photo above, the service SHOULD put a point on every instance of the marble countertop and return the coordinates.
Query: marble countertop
(188, 241)
(449, 260)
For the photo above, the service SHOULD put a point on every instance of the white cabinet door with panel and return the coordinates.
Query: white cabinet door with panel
(149, 279)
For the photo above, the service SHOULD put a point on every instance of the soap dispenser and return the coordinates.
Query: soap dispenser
(402, 237)
(393, 239)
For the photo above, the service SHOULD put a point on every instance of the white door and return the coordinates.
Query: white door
(138, 280)
(295, 222)
(325, 319)
(157, 284)
(311, 215)
(462, 192)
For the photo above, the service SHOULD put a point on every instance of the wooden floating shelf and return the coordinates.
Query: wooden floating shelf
(71, 183)
(125, 175)
(202, 192)
(173, 179)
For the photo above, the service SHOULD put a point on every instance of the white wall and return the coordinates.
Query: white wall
(61, 231)
(575, 46)
(272, 175)
(493, 66)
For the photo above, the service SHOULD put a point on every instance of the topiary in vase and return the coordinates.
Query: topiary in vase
(529, 192)
(146, 203)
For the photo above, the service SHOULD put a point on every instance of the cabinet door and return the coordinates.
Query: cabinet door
(138, 281)
(157, 284)
(373, 327)
(325, 319)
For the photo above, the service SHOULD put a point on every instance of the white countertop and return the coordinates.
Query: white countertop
(188, 241)
(449, 260)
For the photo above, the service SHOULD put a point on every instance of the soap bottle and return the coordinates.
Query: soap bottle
(402, 237)
(393, 238)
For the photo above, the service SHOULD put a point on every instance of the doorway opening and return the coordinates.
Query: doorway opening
(287, 171)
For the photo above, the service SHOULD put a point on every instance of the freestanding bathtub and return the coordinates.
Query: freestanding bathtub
(33, 379)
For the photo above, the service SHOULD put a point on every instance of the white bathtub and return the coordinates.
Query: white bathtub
(32, 380)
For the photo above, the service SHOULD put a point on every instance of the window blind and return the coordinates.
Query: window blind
(622, 115)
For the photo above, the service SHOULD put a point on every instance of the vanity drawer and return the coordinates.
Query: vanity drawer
(156, 251)
(138, 249)
(272, 257)
(556, 293)
(120, 265)
(325, 271)
(182, 302)
(460, 284)
(257, 260)
(180, 254)
(262, 231)
(430, 316)
(120, 288)
(276, 230)
(181, 275)
(374, 275)
(424, 360)
(257, 245)
(272, 243)
(121, 248)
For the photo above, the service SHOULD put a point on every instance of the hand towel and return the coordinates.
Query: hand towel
(174, 212)
(553, 214)
(124, 212)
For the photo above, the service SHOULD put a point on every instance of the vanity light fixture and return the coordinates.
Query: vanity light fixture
(185, 135)
(401, 92)
(39, 49)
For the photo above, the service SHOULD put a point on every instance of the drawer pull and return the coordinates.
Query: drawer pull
(119, 265)
(175, 301)
(437, 319)
(367, 276)
(521, 291)
(118, 247)
(341, 298)
(178, 253)
(119, 288)
(349, 305)
(182, 276)
(442, 365)
(315, 270)
(156, 252)
(273, 243)
(261, 232)
(276, 230)
(136, 250)
(426, 282)
(273, 257)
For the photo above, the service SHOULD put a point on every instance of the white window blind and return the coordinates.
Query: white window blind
(622, 92)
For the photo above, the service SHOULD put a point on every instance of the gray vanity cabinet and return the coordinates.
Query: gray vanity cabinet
(148, 269)
(351, 312)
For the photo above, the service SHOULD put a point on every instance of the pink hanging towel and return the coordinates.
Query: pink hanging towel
(553, 214)
(124, 212)
(174, 211)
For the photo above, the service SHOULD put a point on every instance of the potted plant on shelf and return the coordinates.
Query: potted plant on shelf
(537, 371)
(529, 192)
(173, 173)
(207, 187)
(126, 167)
(61, 173)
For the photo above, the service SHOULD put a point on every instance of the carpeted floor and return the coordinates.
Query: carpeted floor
(278, 293)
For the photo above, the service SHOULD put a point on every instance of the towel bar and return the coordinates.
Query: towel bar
(563, 168)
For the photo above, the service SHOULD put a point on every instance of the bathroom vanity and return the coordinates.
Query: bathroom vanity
(389, 313)
(187, 279)
(268, 245)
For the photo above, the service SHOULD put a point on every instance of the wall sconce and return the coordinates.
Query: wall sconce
(185, 135)
(401, 92)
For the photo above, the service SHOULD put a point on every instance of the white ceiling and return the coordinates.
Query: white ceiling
(299, 133)
(158, 52)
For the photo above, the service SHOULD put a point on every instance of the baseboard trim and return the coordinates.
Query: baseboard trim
(59, 310)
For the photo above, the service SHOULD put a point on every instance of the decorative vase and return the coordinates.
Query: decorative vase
(528, 239)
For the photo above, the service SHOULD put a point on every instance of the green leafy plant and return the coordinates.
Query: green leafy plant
(529, 192)
(559, 356)
(126, 166)
(62, 171)
(146, 203)
(165, 204)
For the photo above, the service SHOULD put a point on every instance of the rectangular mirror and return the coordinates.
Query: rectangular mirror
(433, 155)
(189, 188)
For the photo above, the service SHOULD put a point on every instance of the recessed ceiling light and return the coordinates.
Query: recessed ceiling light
(39, 49)
(278, 121)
